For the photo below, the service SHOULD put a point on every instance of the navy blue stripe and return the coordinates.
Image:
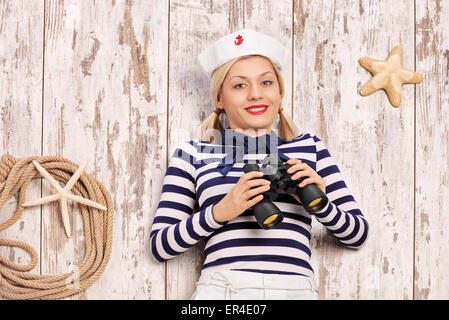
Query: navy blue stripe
(203, 222)
(190, 231)
(213, 200)
(179, 240)
(363, 237)
(342, 200)
(335, 219)
(176, 206)
(335, 186)
(322, 154)
(178, 190)
(353, 233)
(177, 172)
(154, 250)
(325, 213)
(165, 244)
(328, 171)
(214, 182)
(231, 226)
(258, 242)
(165, 219)
(264, 258)
(271, 272)
(299, 149)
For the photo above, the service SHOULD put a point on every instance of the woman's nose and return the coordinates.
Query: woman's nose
(254, 93)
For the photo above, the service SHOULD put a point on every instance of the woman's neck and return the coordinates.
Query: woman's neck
(253, 132)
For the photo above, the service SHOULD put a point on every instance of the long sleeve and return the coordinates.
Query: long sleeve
(175, 226)
(342, 216)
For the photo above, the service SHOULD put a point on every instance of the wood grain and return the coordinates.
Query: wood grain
(371, 141)
(115, 83)
(432, 151)
(105, 101)
(21, 60)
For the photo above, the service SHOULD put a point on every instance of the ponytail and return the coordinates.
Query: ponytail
(210, 126)
(286, 127)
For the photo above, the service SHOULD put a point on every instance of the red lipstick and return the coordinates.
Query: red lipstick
(257, 109)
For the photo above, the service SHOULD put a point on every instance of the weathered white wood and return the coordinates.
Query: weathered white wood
(432, 151)
(371, 141)
(105, 101)
(194, 26)
(110, 67)
(21, 60)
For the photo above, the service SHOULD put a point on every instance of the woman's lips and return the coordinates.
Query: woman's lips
(255, 110)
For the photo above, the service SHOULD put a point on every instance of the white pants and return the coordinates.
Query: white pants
(242, 285)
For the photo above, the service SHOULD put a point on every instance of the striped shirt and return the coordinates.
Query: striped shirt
(193, 184)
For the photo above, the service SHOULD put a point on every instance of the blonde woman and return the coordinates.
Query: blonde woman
(206, 194)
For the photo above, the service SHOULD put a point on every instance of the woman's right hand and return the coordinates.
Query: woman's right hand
(241, 197)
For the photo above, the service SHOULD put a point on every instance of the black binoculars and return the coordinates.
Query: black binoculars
(274, 169)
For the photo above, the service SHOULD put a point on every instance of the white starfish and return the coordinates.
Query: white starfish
(388, 75)
(63, 194)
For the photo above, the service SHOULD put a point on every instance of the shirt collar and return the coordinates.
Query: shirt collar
(230, 137)
(244, 144)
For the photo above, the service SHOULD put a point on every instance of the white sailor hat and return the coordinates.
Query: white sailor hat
(242, 43)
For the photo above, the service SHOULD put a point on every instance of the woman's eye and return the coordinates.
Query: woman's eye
(265, 83)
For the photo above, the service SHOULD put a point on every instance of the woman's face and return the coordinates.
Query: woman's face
(250, 95)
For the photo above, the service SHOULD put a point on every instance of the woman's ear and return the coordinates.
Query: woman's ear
(219, 103)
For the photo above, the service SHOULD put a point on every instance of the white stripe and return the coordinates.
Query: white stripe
(257, 234)
(197, 226)
(302, 155)
(330, 216)
(358, 235)
(349, 229)
(179, 181)
(325, 163)
(160, 248)
(341, 221)
(172, 213)
(332, 178)
(210, 218)
(184, 234)
(178, 198)
(337, 194)
(215, 190)
(172, 242)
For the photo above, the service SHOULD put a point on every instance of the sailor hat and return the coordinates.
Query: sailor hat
(242, 43)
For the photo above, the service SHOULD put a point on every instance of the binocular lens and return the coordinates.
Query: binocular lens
(315, 204)
(271, 220)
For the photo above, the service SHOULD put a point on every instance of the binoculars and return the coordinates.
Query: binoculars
(274, 169)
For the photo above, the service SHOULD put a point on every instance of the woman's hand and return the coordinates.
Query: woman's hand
(239, 198)
(302, 169)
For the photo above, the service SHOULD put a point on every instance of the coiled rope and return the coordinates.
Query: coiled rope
(15, 281)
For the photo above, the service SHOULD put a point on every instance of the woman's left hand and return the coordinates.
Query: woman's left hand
(302, 169)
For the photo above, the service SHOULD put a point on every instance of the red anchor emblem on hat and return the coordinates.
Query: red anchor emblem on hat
(239, 40)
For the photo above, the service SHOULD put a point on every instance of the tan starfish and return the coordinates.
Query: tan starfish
(388, 75)
(63, 195)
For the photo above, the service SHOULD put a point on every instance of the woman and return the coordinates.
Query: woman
(206, 195)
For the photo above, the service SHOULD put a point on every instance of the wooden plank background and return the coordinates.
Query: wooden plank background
(114, 82)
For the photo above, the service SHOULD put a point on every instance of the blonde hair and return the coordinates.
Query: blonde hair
(286, 128)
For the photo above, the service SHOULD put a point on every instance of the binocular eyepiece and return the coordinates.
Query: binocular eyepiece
(274, 169)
